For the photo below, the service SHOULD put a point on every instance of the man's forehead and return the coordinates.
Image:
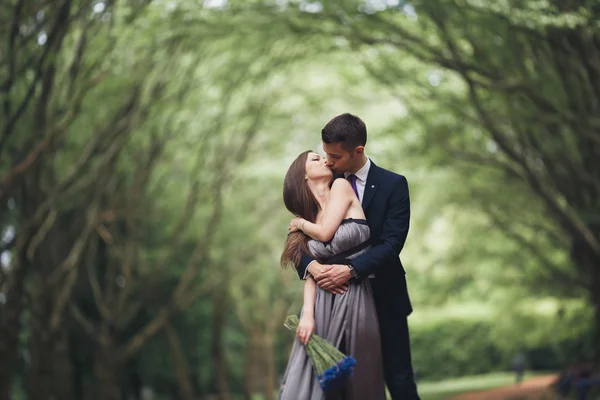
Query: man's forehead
(332, 148)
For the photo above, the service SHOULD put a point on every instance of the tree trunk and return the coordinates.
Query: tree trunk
(588, 263)
(106, 370)
(269, 365)
(596, 305)
(10, 327)
(40, 379)
(15, 287)
(250, 367)
(64, 388)
(221, 383)
(10, 323)
(186, 391)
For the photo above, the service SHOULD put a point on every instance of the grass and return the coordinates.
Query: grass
(442, 390)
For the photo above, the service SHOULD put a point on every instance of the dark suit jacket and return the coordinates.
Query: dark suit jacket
(387, 207)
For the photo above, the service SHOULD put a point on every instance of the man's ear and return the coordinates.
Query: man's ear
(359, 150)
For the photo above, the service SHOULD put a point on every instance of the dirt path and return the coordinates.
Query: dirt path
(534, 386)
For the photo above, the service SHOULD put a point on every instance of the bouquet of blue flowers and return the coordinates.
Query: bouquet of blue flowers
(332, 366)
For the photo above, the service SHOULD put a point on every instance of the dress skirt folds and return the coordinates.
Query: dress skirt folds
(349, 321)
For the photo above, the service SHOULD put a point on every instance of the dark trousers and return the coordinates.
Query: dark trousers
(397, 363)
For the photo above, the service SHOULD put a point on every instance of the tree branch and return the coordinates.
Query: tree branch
(31, 158)
(70, 264)
(535, 251)
(85, 323)
(54, 41)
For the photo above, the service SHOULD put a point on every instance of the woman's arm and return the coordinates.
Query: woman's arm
(306, 327)
(339, 201)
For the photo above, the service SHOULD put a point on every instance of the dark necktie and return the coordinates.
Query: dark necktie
(352, 179)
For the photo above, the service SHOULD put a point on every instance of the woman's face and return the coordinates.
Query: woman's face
(316, 167)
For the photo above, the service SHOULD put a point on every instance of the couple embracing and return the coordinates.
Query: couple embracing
(352, 222)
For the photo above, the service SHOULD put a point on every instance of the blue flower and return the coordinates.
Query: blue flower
(347, 365)
(337, 375)
(349, 362)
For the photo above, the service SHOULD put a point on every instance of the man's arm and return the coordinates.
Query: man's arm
(393, 235)
(309, 266)
(302, 268)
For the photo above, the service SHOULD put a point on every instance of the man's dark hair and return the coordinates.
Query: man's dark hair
(347, 129)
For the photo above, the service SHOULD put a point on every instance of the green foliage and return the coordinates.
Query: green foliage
(172, 125)
(459, 346)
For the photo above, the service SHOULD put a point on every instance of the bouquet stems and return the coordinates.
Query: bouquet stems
(332, 366)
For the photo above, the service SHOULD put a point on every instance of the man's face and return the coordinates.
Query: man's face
(338, 159)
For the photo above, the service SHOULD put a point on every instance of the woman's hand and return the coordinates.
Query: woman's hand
(296, 224)
(305, 329)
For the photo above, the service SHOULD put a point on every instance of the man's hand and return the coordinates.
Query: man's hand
(322, 271)
(315, 268)
(334, 278)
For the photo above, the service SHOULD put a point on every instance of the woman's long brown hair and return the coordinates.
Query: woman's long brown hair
(300, 201)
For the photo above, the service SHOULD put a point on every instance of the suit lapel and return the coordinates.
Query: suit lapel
(371, 185)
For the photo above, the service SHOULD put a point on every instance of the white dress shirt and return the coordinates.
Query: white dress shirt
(361, 178)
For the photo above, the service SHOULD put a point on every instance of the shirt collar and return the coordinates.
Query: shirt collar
(362, 173)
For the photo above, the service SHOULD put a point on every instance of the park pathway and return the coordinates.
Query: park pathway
(536, 388)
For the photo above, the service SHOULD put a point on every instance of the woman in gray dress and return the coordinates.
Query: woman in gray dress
(331, 226)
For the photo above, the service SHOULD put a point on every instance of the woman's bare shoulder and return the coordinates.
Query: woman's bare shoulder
(341, 189)
(341, 185)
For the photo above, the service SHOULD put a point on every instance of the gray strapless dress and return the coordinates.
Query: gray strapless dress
(348, 321)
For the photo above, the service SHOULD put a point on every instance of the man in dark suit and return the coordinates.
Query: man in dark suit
(385, 200)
